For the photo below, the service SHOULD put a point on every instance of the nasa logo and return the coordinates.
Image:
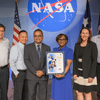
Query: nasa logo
(52, 15)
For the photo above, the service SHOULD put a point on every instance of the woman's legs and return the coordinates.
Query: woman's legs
(79, 95)
(88, 96)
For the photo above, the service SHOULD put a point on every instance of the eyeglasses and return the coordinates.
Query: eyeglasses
(61, 39)
(1, 30)
(37, 35)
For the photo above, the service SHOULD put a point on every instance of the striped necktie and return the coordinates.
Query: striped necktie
(39, 52)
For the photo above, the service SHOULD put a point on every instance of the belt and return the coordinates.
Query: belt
(21, 70)
(2, 67)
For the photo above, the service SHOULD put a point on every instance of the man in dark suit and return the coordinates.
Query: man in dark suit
(35, 60)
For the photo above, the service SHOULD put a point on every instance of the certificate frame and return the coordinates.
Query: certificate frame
(54, 63)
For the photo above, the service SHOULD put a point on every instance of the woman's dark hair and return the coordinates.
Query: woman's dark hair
(60, 35)
(80, 39)
(1, 25)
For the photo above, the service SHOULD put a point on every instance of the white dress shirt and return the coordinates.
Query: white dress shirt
(96, 39)
(37, 47)
(17, 58)
(4, 52)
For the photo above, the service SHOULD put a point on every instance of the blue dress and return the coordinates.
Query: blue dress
(62, 87)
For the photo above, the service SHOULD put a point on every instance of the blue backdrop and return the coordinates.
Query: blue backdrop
(72, 29)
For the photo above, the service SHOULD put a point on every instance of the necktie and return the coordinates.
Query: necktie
(39, 52)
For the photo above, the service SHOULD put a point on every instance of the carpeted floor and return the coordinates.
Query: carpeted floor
(10, 92)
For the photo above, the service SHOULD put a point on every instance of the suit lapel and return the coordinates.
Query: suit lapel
(34, 52)
(77, 50)
(42, 50)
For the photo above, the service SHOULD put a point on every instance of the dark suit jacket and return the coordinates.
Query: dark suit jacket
(31, 60)
(89, 60)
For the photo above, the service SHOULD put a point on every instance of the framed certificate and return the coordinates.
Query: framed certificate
(55, 62)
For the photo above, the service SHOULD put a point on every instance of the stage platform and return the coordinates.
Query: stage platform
(10, 92)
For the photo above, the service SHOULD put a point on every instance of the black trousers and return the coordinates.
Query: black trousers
(4, 80)
(98, 80)
(32, 87)
(20, 86)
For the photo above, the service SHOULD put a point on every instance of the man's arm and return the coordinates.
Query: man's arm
(27, 61)
(8, 52)
(13, 60)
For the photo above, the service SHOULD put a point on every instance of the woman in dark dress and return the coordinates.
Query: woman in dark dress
(84, 65)
(62, 84)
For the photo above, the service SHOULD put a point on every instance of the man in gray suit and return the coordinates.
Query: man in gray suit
(35, 60)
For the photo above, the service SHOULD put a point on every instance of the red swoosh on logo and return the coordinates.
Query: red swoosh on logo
(53, 12)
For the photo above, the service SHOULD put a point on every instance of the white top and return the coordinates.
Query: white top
(17, 58)
(4, 51)
(96, 39)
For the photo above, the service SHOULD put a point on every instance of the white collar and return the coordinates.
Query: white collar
(38, 44)
(22, 45)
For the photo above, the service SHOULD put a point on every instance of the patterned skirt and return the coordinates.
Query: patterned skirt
(81, 84)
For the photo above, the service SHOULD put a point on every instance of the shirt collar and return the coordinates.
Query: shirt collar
(38, 44)
(3, 39)
(98, 35)
(21, 45)
(62, 48)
